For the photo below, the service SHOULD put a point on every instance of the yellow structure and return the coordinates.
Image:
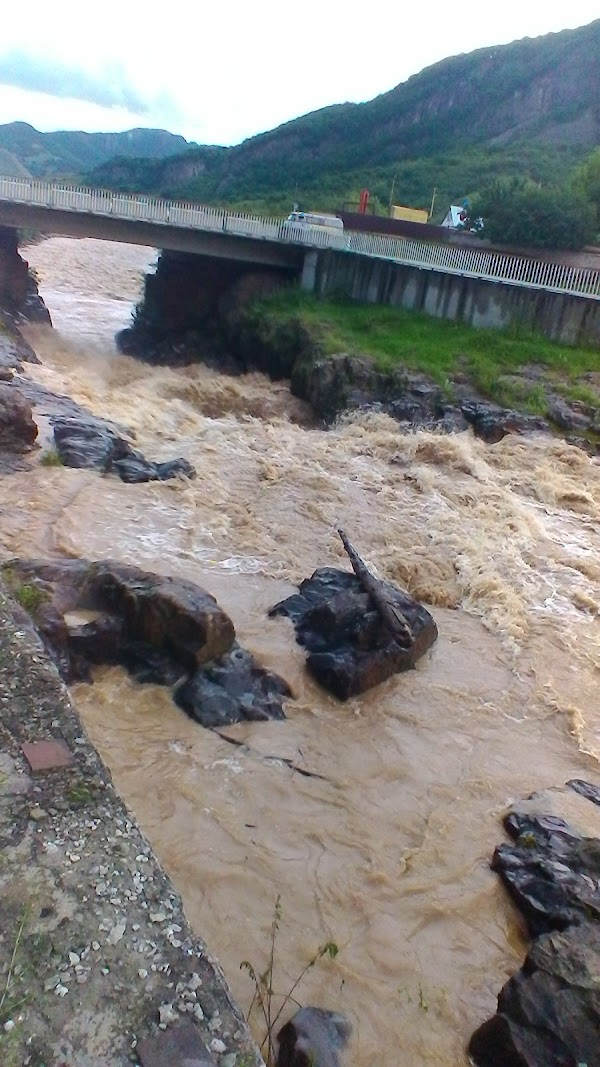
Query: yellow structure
(409, 214)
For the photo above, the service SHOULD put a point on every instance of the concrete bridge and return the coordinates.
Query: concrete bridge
(54, 207)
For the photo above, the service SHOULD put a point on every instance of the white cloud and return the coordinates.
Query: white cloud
(220, 73)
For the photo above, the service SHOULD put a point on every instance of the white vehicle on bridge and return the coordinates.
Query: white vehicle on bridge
(311, 228)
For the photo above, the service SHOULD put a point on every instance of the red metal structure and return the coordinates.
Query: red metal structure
(364, 202)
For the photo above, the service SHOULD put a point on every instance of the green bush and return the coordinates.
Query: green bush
(520, 213)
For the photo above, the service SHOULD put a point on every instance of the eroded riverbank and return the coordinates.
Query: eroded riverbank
(388, 855)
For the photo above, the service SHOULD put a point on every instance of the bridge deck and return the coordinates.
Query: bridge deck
(267, 240)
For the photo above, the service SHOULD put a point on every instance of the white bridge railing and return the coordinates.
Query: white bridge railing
(474, 263)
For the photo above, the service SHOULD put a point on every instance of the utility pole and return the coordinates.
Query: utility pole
(392, 193)
(432, 201)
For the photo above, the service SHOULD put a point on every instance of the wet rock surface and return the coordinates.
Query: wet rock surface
(18, 431)
(231, 685)
(98, 962)
(349, 649)
(549, 1012)
(163, 630)
(93, 444)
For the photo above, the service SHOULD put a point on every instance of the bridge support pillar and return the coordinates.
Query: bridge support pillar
(309, 271)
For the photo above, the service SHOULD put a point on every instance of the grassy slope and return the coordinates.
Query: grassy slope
(512, 368)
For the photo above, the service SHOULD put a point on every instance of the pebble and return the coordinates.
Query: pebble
(167, 1014)
(61, 990)
(116, 933)
(96, 946)
(217, 1045)
(37, 814)
(9, 1025)
(157, 917)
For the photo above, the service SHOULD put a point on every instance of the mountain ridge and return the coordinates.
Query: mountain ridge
(528, 108)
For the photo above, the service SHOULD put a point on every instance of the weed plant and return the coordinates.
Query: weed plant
(264, 992)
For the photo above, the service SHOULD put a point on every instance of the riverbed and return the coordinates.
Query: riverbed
(387, 854)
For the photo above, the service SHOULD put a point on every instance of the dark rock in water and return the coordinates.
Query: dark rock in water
(162, 630)
(86, 444)
(18, 431)
(128, 605)
(95, 444)
(552, 872)
(135, 468)
(233, 688)
(549, 1012)
(585, 789)
(349, 648)
(312, 1038)
(492, 423)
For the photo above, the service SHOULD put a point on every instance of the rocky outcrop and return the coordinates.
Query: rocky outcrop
(350, 649)
(549, 1012)
(19, 297)
(20, 302)
(163, 630)
(18, 431)
(94, 444)
(189, 308)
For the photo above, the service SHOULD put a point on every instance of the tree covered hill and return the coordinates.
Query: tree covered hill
(70, 153)
(528, 109)
(533, 104)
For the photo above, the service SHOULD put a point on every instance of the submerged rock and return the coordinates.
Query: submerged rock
(349, 647)
(163, 630)
(93, 444)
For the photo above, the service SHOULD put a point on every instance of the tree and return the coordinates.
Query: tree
(586, 182)
(521, 213)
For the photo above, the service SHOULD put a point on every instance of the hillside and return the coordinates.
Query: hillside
(534, 100)
(11, 167)
(70, 153)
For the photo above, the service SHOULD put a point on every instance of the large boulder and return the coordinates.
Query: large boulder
(117, 604)
(161, 629)
(549, 1012)
(94, 444)
(349, 648)
(18, 431)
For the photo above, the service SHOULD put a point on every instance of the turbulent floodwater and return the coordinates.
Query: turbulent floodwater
(388, 855)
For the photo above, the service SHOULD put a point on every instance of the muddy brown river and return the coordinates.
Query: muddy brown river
(388, 854)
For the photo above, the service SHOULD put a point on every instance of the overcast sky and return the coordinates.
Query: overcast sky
(220, 72)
